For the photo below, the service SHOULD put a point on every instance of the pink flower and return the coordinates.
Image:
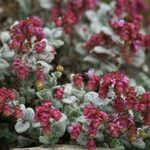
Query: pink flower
(56, 114)
(95, 117)
(126, 124)
(98, 39)
(133, 8)
(7, 110)
(22, 33)
(39, 47)
(119, 104)
(39, 73)
(59, 92)
(78, 80)
(91, 144)
(20, 67)
(114, 129)
(44, 113)
(18, 112)
(146, 118)
(75, 130)
(70, 14)
(93, 82)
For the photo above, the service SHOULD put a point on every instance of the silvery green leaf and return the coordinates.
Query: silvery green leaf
(52, 81)
(91, 15)
(82, 139)
(82, 119)
(139, 90)
(91, 60)
(21, 100)
(70, 100)
(28, 114)
(107, 30)
(32, 62)
(68, 90)
(21, 126)
(78, 93)
(44, 94)
(95, 28)
(57, 33)
(47, 32)
(139, 143)
(46, 4)
(116, 39)
(4, 36)
(2, 77)
(108, 67)
(58, 128)
(44, 139)
(111, 93)
(36, 125)
(147, 130)
(133, 82)
(79, 49)
(63, 118)
(24, 7)
(99, 136)
(102, 50)
(115, 143)
(90, 96)
(22, 106)
(53, 140)
(99, 102)
(47, 55)
(57, 43)
(45, 65)
(57, 104)
(7, 53)
(57, 74)
(139, 58)
(3, 64)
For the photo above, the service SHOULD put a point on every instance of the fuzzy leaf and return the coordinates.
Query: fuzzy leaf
(28, 114)
(21, 126)
(82, 139)
(44, 94)
(70, 100)
(3, 64)
(4, 36)
(57, 33)
(57, 74)
(114, 143)
(57, 43)
(139, 90)
(139, 143)
(44, 139)
(90, 96)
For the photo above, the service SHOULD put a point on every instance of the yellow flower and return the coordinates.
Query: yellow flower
(142, 134)
(39, 85)
(60, 68)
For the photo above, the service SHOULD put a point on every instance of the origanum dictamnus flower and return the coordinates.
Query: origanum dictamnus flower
(75, 129)
(59, 92)
(69, 15)
(7, 103)
(27, 32)
(44, 113)
(133, 8)
(20, 67)
(144, 107)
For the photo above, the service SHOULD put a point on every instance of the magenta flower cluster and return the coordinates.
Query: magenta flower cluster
(45, 113)
(7, 96)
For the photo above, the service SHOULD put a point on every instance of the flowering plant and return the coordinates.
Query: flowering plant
(63, 78)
